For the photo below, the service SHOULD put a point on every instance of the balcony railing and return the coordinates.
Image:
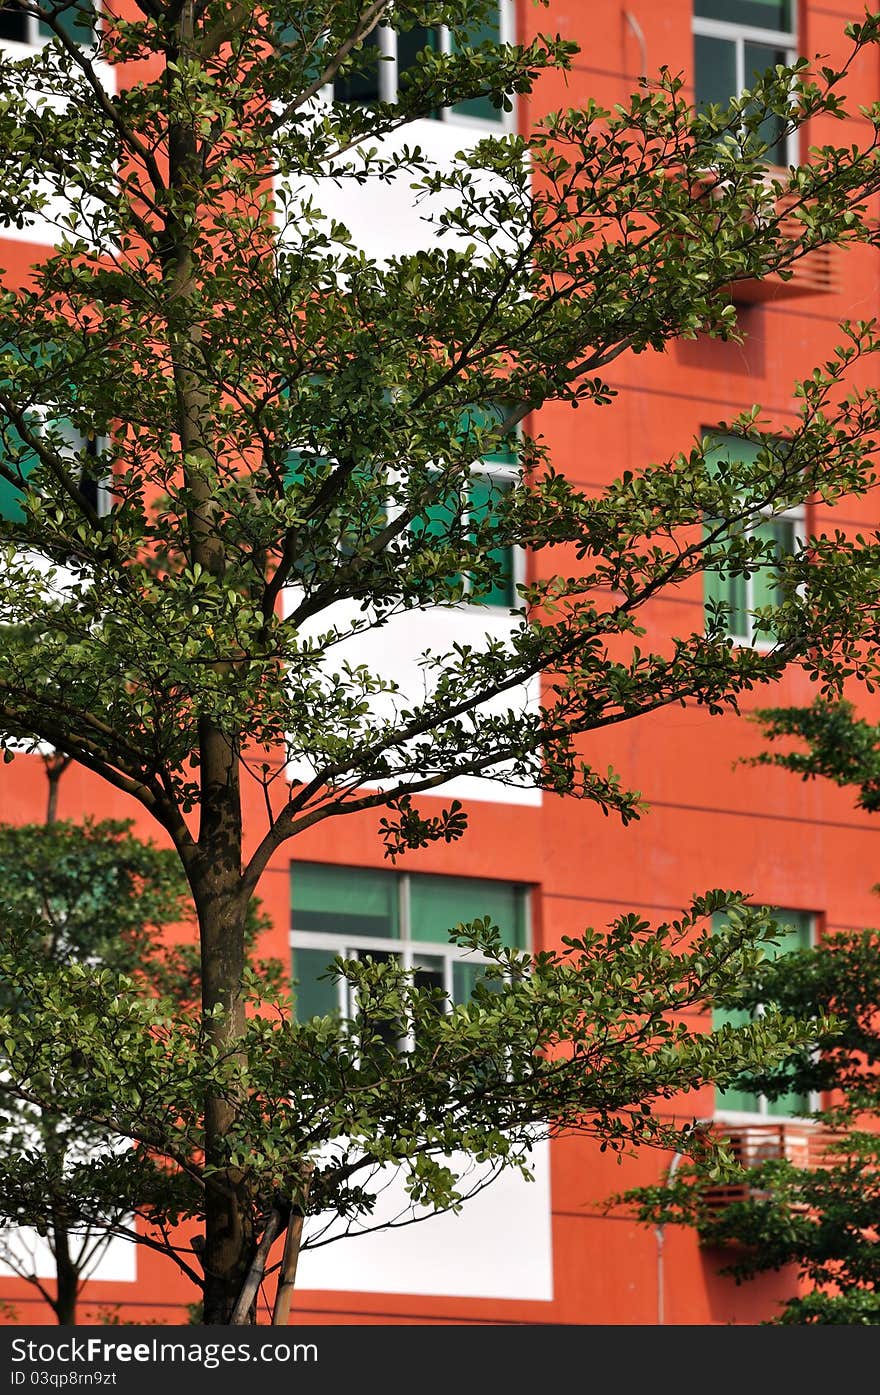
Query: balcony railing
(804, 1144)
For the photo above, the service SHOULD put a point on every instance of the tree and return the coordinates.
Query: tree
(89, 893)
(288, 429)
(822, 1219)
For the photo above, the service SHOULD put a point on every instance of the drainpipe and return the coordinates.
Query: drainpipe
(640, 40)
(659, 1230)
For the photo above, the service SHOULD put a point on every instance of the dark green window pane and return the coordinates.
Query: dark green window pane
(316, 554)
(413, 42)
(734, 590)
(361, 87)
(439, 903)
(313, 996)
(795, 932)
(409, 45)
(13, 24)
(780, 534)
(23, 459)
(428, 972)
(758, 58)
(486, 491)
(722, 587)
(480, 108)
(732, 1099)
(359, 515)
(466, 976)
(76, 20)
(730, 449)
(441, 520)
(485, 418)
(761, 14)
(714, 71)
(344, 901)
(390, 1031)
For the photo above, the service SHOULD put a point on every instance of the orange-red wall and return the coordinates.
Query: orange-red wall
(710, 824)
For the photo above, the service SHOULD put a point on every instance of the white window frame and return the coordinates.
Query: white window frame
(388, 76)
(762, 1115)
(741, 34)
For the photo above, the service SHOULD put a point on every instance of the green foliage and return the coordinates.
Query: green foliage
(89, 894)
(840, 746)
(585, 1040)
(92, 891)
(820, 1221)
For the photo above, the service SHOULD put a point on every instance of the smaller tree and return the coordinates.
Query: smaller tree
(825, 1220)
(78, 894)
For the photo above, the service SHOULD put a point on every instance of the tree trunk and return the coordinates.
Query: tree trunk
(55, 766)
(66, 1272)
(66, 1275)
(222, 909)
(214, 870)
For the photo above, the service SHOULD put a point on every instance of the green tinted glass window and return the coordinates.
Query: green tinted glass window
(344, 900)
(740, 594)
(795, 933)
(361, 87)
(466, 976)
(728, 590)
(22, 459)
(441, 520)
(76, 20)
(780, 534)
(485, 494)
(313, 994)
(714, 70)
(448, 520)
(14, 24)
(414, 41)
(439, 903)
(758, 58)
(489, 417)
(480, 108)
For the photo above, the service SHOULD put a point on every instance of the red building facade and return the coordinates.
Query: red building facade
(548, 867)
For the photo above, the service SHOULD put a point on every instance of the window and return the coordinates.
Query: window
(461, 515)
(743, 595)
(733, 41)
(796, 932)
(355, 912)
(76, 19)
(463, 512)
(390, 56)
(82, 454)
